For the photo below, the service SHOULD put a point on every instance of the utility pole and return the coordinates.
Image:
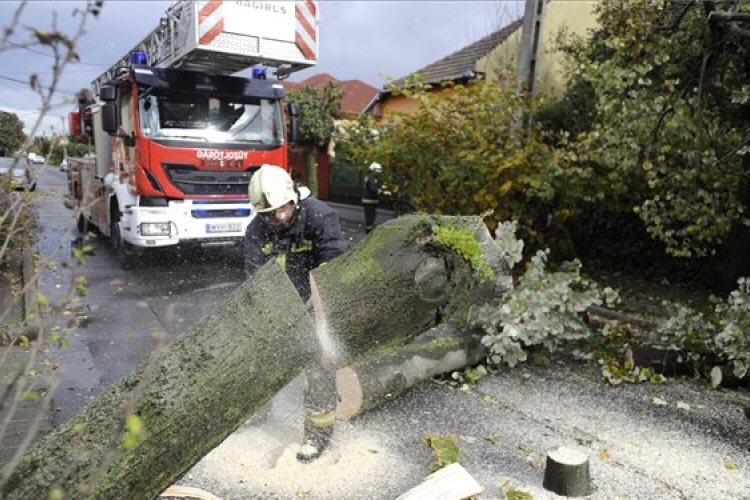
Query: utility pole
(64, 138)
(531, 42)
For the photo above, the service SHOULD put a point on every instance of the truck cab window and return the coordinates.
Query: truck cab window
(215, 119)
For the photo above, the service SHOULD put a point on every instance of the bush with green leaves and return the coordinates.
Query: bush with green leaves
(543, 309)
(19, 223)
(465, 139)
(719, 336)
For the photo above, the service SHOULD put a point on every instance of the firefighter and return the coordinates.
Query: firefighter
(300, 232)
(371, 195)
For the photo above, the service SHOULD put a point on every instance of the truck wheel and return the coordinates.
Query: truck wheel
(126, 253)
(82, 224)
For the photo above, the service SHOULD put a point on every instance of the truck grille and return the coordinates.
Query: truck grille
(192, 181)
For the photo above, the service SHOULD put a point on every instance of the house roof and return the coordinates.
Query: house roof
(462, 63)
(357, 94)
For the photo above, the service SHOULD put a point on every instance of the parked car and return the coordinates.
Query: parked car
(21, 173)
(36, 159)
(64, 165)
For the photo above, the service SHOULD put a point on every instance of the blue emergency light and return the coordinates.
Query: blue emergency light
(139, 58)
(259, 73)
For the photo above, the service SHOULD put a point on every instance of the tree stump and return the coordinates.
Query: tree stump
(567, 473)
(397, 283)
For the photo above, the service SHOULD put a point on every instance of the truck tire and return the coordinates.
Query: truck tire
(126, 253)
(82, 224)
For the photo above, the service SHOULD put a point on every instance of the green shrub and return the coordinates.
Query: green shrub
(19, 224)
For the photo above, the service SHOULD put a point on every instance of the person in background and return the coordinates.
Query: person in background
(301, 233)
(371, 188)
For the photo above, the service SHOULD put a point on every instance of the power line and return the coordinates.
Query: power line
(56, 89)
(48, 73)
(23, 47)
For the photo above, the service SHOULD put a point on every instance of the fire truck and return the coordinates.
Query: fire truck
(176, 137)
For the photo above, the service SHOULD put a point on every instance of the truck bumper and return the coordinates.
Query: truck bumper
(187, 222)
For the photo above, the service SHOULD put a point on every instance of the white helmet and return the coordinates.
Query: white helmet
(271, 187)
(375, 167)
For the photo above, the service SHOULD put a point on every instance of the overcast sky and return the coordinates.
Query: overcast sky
(367, 40)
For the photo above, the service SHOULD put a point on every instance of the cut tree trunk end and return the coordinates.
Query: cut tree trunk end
(567, 473)
(384, 375)
(723, 376)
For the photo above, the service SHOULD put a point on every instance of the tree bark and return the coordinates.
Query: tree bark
(189, 399)
(402, 281)
(397, 283)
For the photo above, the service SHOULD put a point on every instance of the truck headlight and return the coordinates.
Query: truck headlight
(155, 228)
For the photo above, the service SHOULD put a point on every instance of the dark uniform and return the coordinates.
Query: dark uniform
(370, 200)
(313, 238)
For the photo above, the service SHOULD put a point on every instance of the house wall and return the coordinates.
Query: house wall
(576, 17)
(573, 16)
(403, 104)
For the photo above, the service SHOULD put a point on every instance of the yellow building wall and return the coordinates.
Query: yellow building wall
(574, 16)
(403, 104)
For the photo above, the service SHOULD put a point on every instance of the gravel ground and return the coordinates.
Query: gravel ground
(678, 440)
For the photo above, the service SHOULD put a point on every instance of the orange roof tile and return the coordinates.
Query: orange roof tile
(357, 94)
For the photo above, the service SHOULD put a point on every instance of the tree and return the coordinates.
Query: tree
(319, 108)
(670, 120)
(11, 133)
(140, 435)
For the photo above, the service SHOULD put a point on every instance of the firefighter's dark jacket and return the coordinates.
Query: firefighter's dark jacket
(371, 190)
(314, 237)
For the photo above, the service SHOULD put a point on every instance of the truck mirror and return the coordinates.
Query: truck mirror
(293, 122)
(108, 93)
(110, 120)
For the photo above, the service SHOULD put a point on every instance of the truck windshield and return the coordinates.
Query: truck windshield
(214, 119)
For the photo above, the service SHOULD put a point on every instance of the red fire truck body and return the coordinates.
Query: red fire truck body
(176, 138)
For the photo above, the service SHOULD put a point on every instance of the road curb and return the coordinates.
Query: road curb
(30, 313)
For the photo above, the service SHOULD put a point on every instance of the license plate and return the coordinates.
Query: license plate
(224, 227)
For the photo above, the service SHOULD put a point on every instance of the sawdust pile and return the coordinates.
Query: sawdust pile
(256, 462)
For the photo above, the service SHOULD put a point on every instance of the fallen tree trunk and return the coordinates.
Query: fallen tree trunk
(384, 376)
(405, 280)
(189, 400)
(397, 283)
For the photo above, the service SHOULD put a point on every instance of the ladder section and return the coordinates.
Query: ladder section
(226, 37)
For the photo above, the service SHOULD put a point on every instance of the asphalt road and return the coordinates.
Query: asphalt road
(679, 440)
